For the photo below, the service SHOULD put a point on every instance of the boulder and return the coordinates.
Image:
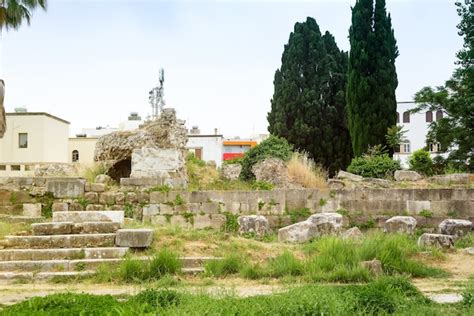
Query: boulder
(448, 179)
(407, 175)
(256, 224)
(134, 238)
(437, 240)
(298, 233)
(327, 223)
(334, 184)
(353, 233)
(344, 175)
(55, 170)
(374, 266)
(400, 224)
(231, 171)
(103, 178)
(274, 171)
(455, 227)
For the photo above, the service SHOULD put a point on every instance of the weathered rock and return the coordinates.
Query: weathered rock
(95, 227)
(374, 266)
(375, 182)
(334, 184)
(66, 188)
(55, 170)
(437, 240)
(89, 216)
(91, 197)
(469, 251)
(400, 224)
(455, 227)
(256, 224)
(32, 209)
(134, 238)
(231, 171)
(327, 223)
(353, 233)
(62, 228)
(407, 175)
(154, 162)
(97, 187)
(274, 171)
(298, 233)
(344, 175)
(60, 207)
(455, 178)
(103, 178)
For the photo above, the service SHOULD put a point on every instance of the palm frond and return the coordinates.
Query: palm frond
(14, 12)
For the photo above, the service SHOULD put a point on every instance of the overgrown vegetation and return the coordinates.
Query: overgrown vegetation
(91, 172)
(374, 164)
(420, 161)
(304, 171)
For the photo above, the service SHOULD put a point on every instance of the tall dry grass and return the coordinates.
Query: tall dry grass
(304, 171)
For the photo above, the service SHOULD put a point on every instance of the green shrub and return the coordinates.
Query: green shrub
(426, 213)
(285, 264)
(236, 160)
(378, 166)
(420, 161)
(299, 214)
(163, 263)
(273, 146)
(231, 224)
(157, 298)
(465, 241)
(192, 159)
(133, 270)
(262, 186)
(439, 165)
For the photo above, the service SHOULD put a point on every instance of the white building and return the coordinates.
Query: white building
(208, 147)
(416, 125)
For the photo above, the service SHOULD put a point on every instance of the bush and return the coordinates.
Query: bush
(374, 166)
(163, 263)
(285, 264)
(420, 161)
(304, 171)
(273, 146)
(228, 265)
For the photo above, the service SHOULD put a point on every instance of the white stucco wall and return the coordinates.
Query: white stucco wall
(211, 146)
(47, 139)
(85, 146)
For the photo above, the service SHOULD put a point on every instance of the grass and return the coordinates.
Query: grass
(12, 228)
(303, 170)
(465, 241)
(383, 296)
(91, 172)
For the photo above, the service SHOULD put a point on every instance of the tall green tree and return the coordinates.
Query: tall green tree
(372, 77)
(12, 14)
(308, 103)
(455, 131)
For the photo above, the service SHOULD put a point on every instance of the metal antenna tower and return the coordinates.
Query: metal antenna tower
(156, 96)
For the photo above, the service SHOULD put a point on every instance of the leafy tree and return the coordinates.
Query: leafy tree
(421, 162)
(12, 15)
(308, 101)
(372, 78)
(455, 131)
(395, 136)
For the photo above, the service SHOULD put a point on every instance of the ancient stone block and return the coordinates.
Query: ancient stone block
(415, 207)
(32, 209)
(98, 187)
(400, 224)
(407, 175)
(149, 162)
(131, 197)
(119, 198)
(456, 178)
(214, 221)
(374, 266)
(298, 233)
(158, 197)
(92, 197)
(107, 198)
(455, 227)
(103, 178)
(209, 208)
(75, 206)
(353, 233)
(95, 207)
(327, 223)
(66, 187)
(253, 224)
(437, 240)
(89, 216)
(274, 171)
(134, 238)
(231, 171)
(60, 207)
(62, 228)
(344, 175)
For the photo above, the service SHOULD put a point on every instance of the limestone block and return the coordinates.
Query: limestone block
(95, 207)
(253, 224)
(103, 178)
(89, 216)
(469, 251)
(455, 227)
(374, 266)
(437, 240)
(456, 178)
(60, 207)
(209, 208)
(353, 233)
(95, 227)
(400, 224)
(143, 197)
(119, 198)
(134, 238)
(75, 206)
(158, 197)
(131, 197)
(149, 162)
(92, 197)
(166, 209)
(327, 223)
(180, 221)
(63, 228)
(98, 187)
(274, 171)
(107, 198)
(344, 175)
(214, 221)
(66, 187)
(231, 171)
(32, 209)
(415, 207)
(407, 175)
(298, 233)
(335, 184)
(150, 210)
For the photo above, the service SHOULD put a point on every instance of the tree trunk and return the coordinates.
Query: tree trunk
(3, 121)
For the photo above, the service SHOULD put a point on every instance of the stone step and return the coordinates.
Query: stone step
(62, 253)
(61, 241)
(196, 262)
(56, 265)
(64, 228)
(22, 219)
(40, 276)
(89, 216)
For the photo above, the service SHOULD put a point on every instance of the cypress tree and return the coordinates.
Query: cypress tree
(308, 103)
(372, 78)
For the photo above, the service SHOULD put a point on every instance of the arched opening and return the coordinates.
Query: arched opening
(406, 117)
(121, 169)
(439, 115)
(429, 116)
(75, 156)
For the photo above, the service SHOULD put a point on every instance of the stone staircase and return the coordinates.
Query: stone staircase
(74, 243)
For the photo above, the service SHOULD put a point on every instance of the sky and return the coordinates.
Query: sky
(92, 62)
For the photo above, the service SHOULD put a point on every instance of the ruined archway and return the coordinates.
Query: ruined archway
(120, 169)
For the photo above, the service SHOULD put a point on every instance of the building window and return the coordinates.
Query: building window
(405, 147)
(3, 167)
(396, 149)
(406, 117)
(398, 117)
(23, 140)
(439, 115)
(15, 167)
(434, 148)
(75, 156)
(429, 116)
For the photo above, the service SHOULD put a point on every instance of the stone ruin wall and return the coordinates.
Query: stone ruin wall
(209, 208)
